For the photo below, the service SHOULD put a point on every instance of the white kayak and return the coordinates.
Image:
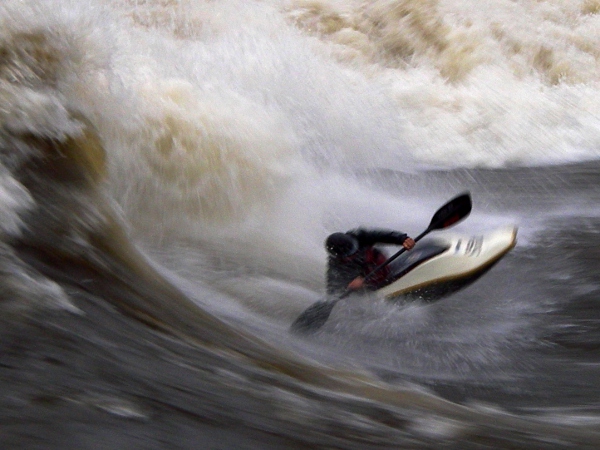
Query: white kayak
(445, 263)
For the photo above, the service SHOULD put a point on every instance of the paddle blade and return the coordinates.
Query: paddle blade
(314, 317)
(452, 212)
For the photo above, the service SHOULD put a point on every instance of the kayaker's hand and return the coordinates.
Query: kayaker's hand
(357, 283)
(408, 243)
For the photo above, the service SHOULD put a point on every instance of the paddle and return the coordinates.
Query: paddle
(315, 316)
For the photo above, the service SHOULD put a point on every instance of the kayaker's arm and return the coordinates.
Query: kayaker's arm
(380, 236)
(369, 237)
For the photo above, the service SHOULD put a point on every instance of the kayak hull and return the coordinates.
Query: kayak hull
(445, 264)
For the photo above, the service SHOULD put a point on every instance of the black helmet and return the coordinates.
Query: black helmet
(341, 244)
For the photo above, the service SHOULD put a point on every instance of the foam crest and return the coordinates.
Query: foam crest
(502, 84)
(555, 41)
(210, 157)
(454, 38)
(392, 34)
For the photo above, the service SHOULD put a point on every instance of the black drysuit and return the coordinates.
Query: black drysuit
(342, 270)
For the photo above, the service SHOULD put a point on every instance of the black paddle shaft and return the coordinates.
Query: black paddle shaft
(315, 316)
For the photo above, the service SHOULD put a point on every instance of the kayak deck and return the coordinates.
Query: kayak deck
(445, 264)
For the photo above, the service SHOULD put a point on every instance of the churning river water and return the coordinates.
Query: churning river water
(169, 170)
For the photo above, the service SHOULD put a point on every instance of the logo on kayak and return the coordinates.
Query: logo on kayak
(474, 246)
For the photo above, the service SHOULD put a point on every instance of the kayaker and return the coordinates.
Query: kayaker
(352, 255)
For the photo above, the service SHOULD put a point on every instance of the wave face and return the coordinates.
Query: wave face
(169, 171)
